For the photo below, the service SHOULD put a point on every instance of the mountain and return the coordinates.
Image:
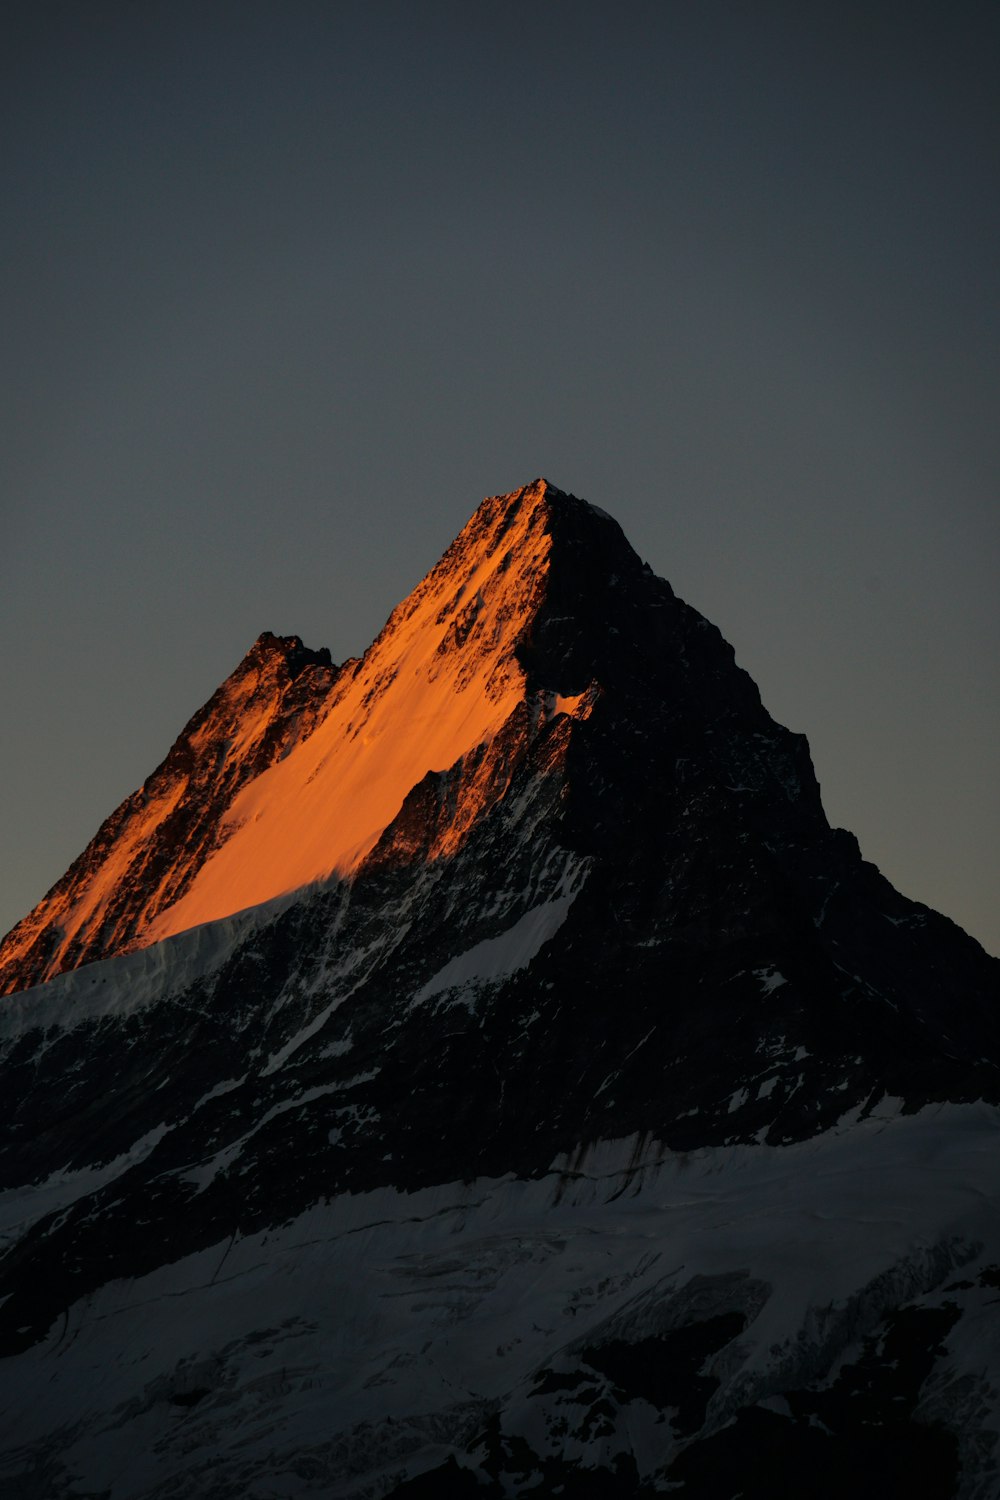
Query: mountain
(480, 1069)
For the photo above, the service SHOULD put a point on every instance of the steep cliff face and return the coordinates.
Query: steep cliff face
(577, 1109)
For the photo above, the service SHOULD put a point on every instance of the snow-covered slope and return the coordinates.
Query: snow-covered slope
(629, 1319)
(580, 1115)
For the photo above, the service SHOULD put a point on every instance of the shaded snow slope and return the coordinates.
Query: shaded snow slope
(615, 1317)
(130, 982)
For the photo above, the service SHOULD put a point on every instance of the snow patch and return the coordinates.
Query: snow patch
(771, 979)
(495, 958)
(22, 1206)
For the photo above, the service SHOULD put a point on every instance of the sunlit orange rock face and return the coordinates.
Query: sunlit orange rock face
(294, 770)
(146, 854)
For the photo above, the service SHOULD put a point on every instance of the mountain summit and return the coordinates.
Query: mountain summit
(294, 769)
(479, 1069)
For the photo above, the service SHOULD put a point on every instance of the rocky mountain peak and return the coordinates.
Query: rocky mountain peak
(440, 680)
(290, 650)
(292, 770)
(645, 1133)
(538, 637)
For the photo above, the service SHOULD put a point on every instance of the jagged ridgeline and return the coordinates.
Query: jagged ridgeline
(479, 1069)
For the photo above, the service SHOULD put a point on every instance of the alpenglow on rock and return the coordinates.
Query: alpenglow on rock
(479, 1069)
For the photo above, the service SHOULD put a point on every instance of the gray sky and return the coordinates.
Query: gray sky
(290, 286)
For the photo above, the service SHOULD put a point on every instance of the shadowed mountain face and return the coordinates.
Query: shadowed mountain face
(492, 1037)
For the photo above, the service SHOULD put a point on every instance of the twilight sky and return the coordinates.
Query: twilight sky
(290, 286)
